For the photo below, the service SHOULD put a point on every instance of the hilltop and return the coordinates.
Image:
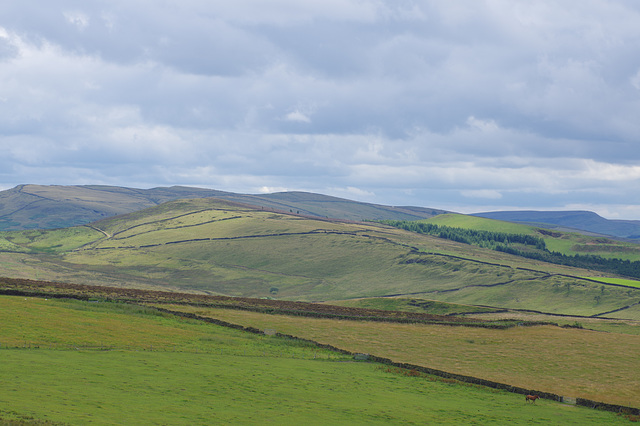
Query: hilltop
(55, 206)
(59, 206)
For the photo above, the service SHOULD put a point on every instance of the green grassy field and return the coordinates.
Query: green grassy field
(163, 388)
(480, 223)
(620, 281)
(564, 242)
(569, 362)
(159, 369)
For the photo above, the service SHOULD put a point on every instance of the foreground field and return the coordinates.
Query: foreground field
(569, 362)
(110, 363)
(166, 388)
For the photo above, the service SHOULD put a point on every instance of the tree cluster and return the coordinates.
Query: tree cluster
(524, 245)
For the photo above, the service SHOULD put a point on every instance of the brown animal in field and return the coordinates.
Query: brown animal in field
(531, 398)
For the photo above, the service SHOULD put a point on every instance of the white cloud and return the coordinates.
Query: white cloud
(482, 125)
(271, 189)
(482, 193)
(609, 211)
(78, 19)
(297, 116)
(635, 80)
(598, 171)
(352, 193)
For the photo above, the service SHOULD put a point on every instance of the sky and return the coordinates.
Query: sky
(463, 105)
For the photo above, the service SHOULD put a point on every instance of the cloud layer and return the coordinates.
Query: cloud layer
(466, 105)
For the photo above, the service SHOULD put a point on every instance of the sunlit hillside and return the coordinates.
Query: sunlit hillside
(217, 247)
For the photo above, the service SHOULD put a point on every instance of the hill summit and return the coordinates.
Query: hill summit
(56, 206)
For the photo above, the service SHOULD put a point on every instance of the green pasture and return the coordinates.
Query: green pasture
(6, 245)
(51, 240)
(455, 220)
(63, 324)
(566, 361)
(104, 363)
(563, 242)
(620, 281)
(116, 387)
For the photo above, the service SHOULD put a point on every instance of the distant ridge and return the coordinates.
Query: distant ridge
(58, 206)
(571, 220)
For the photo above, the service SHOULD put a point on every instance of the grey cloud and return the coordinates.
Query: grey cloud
(402, 102)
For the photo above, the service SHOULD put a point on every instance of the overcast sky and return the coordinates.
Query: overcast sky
(469, 105)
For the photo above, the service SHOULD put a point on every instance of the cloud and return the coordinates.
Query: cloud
(297, 116)
(78, 19)
(412, 103)
(269, 190)
(482, 193)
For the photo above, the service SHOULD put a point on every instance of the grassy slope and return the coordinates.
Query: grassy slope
(567, 220)
(405, 304)
(205, 377)
(211, 246)
(563, 242)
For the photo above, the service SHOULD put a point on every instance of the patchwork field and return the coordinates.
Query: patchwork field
(567, 361)
(112, 363)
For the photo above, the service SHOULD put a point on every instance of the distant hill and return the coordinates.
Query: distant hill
(567, 220)
(54, 206)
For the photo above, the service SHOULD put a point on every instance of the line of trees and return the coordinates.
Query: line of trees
(524, 245)
(487, 239)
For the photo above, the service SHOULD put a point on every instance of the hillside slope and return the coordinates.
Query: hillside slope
(217, 247)
(578, 220)
(47, 207)
(568, 243)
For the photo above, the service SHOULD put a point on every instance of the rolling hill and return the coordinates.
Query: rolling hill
(570, 243)
(214, 246)
(571, 220)
(47, 207)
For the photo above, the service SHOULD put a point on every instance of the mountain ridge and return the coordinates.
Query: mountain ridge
(31, 206)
